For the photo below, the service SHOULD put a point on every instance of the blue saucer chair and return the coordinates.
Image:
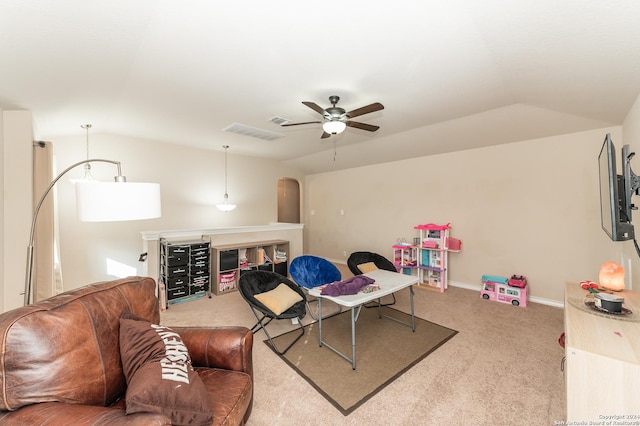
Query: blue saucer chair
(312, 271)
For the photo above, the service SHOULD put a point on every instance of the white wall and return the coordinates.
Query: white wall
(192, 182)
(16, 147)
(528, 208)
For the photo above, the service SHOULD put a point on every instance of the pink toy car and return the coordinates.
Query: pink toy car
(519, 281)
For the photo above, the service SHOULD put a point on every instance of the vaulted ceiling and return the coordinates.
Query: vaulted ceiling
(451, 74)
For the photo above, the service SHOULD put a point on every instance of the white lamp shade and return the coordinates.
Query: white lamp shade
(225, 207)
(117, 201)
(334, 127)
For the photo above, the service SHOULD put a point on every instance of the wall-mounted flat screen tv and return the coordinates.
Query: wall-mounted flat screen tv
(615, 203)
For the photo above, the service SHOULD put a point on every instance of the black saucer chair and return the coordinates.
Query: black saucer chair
(362, 257)
(253, 283)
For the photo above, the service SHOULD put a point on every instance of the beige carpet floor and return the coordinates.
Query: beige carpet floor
(385, 349)
(502, 368)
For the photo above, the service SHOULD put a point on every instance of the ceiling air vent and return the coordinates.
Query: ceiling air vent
(243, 129)
(279, 120)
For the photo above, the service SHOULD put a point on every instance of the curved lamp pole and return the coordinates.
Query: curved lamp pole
(29, 275)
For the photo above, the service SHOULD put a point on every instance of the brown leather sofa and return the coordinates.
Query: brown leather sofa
(60, 359)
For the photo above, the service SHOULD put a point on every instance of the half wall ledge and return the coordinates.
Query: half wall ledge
(292, 232)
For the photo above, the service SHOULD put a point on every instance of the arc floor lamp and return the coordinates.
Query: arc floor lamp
(101, 202)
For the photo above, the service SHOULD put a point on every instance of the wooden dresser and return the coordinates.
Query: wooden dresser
(602, 360)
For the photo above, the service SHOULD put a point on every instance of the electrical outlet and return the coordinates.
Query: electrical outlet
(344, 253)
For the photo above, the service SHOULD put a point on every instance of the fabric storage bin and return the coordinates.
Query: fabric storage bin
(228, 260)
(227, 281)
(280, 268)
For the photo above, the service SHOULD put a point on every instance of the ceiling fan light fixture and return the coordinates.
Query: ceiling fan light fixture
(334, 127)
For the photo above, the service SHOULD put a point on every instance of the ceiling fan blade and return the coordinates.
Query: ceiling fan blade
(314, 106)
(297, 124)
(377, 106)
(363, 126)
(325, 135)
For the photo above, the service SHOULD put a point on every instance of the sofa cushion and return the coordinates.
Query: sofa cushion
(159, 374)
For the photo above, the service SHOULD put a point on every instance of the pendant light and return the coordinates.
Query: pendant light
(225, 206)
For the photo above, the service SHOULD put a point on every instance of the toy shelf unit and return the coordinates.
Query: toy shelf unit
(512, 290)
(432, 255)
(230, 261)
(184, 270)
(405, 258)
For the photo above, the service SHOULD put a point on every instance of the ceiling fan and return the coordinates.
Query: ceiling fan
(336, 119)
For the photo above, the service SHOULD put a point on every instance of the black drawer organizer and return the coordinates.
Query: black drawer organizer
(184, 269)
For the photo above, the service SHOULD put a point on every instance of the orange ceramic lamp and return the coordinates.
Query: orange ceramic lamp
(611, 276)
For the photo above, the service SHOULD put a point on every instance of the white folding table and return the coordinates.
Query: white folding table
(389, 282)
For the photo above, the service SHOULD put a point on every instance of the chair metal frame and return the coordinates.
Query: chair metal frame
(265, 281)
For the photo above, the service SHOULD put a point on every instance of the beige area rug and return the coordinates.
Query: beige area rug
(385, 350)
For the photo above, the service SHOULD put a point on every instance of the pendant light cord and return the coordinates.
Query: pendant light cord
(87, 166)
(226, 195)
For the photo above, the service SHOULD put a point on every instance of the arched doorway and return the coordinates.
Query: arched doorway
(288, 200)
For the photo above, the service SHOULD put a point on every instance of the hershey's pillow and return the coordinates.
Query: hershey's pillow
(367, 267)
(279, 299)
(159, 374)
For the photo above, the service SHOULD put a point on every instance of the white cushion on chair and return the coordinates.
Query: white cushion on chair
(367, 267)
(279, 299)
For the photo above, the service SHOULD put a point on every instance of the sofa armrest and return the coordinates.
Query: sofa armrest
(229, 348)
(60, 413)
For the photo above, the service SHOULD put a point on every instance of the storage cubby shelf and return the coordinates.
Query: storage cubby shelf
(230, 261)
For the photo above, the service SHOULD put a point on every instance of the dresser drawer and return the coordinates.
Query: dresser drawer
(176, 281)
(176, 271)
(178, 250)
(176, 260)
(174, 293)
